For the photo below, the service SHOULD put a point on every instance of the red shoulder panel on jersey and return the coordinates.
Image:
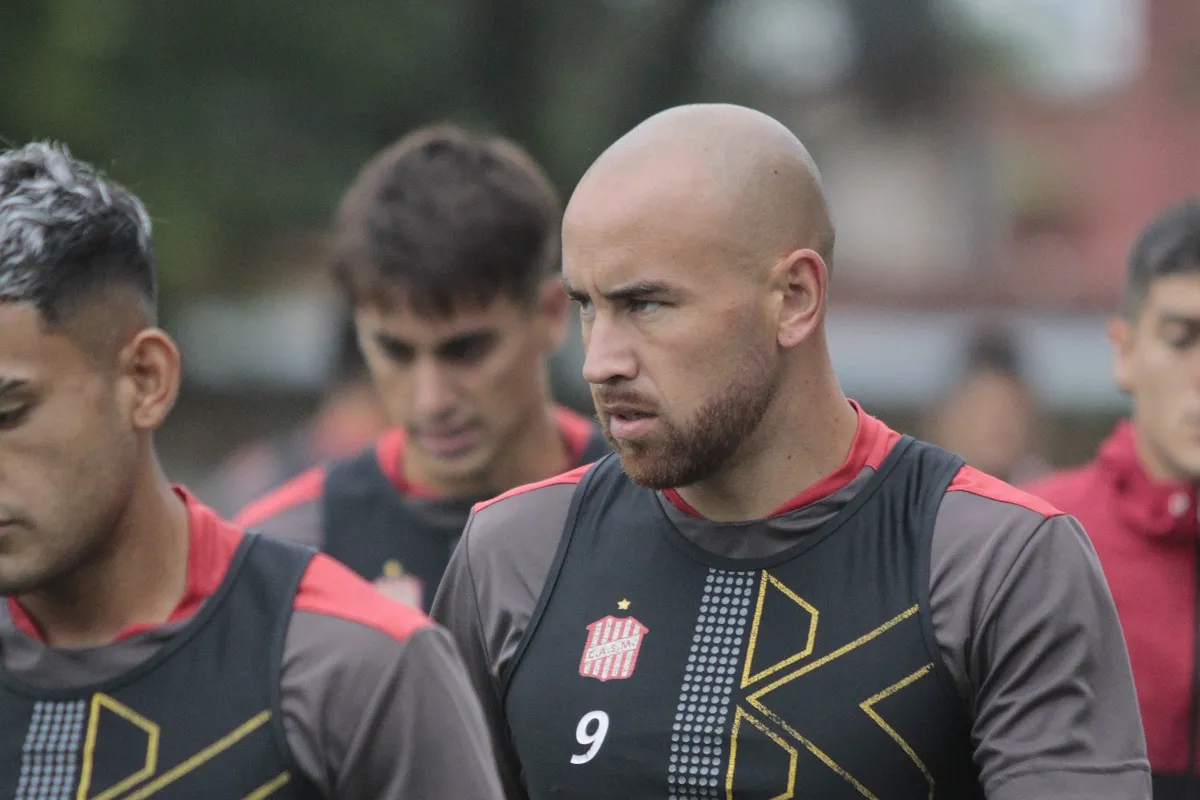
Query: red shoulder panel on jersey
(576, 430)
(972, 480)
(304, 488)
(333, 590)
(574, 476)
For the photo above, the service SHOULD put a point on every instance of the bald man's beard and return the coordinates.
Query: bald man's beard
(684, 454)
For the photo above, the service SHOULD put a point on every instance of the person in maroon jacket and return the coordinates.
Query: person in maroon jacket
(446, 249)
(1138, 498)
(147, 647)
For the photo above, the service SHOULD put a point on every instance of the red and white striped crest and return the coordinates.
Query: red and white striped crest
(612, 648)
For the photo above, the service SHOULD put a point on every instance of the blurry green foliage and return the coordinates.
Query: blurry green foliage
(236, 119)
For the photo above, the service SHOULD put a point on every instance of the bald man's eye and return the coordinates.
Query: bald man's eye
(645, 306)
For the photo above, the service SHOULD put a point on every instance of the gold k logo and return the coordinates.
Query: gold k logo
(110, 717)
(764, 676)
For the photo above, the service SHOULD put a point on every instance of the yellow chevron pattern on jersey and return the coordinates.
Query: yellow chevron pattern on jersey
(782, 731)
(144, 782)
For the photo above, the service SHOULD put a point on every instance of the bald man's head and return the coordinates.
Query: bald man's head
(727, 164)
(696, 247)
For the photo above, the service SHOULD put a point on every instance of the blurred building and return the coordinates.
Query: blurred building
(1051, 132)
(983, 158)
(1095, 144)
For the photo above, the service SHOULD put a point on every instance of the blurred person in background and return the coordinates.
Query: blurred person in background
(990, 417)
(1138, 498)
(348, 419)
(766, 592)
(446, 246)
(147, 647)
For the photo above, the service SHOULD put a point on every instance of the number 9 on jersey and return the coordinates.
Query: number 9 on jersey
(590, 736)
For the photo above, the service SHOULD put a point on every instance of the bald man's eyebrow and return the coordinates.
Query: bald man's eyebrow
(570, 290)
(639, 290)
(628, 293)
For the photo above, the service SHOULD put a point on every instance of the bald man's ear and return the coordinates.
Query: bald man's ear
(801, 278)
(148, 376)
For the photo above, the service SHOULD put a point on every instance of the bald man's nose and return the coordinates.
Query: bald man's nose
(608, 355)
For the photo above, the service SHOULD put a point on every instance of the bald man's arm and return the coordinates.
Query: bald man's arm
(1027, 627)
(488, 594)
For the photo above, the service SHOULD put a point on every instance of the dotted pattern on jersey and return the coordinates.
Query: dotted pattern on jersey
(698, 737)
(48, 758)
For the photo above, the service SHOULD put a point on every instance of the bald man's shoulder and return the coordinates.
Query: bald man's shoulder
(492, 585)
(514, 535)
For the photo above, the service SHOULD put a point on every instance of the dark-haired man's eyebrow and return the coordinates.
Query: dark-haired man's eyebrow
(1179, 318)
(468, 346)
(395, 348)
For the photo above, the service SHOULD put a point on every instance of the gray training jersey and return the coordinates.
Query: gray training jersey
(373, 697)
(1020, 610)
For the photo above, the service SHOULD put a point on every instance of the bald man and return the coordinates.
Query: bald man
(765, 592)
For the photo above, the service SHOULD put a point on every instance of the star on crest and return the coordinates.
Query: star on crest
(623, 605)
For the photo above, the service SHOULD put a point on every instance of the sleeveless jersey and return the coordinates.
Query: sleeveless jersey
(378, 532)
(653, 668)
(199, 718)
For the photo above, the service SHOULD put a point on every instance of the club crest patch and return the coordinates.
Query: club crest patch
(611, 651)
(400, 586)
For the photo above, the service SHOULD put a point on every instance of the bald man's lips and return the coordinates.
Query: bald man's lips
(628, 422)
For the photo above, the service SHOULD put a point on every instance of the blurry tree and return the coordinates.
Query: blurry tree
(904, 62)
(235, 119)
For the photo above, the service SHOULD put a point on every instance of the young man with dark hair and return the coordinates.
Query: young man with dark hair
(148, 648)
(765, 592)
(447, 247)
(1138, 498)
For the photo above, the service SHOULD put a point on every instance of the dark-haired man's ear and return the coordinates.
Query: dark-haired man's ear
(1120, 333)
(553, 306)
(149, 372)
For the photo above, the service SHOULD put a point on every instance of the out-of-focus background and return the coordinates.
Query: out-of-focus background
(989, 163)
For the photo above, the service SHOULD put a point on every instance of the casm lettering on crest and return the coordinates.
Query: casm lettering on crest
(612, 646)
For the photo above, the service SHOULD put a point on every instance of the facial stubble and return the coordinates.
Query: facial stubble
(688, 453)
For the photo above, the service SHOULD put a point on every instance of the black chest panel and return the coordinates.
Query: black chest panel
(376, 531)
(1171, 786)
(653, 668)
(200, 718)
(379, 533)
